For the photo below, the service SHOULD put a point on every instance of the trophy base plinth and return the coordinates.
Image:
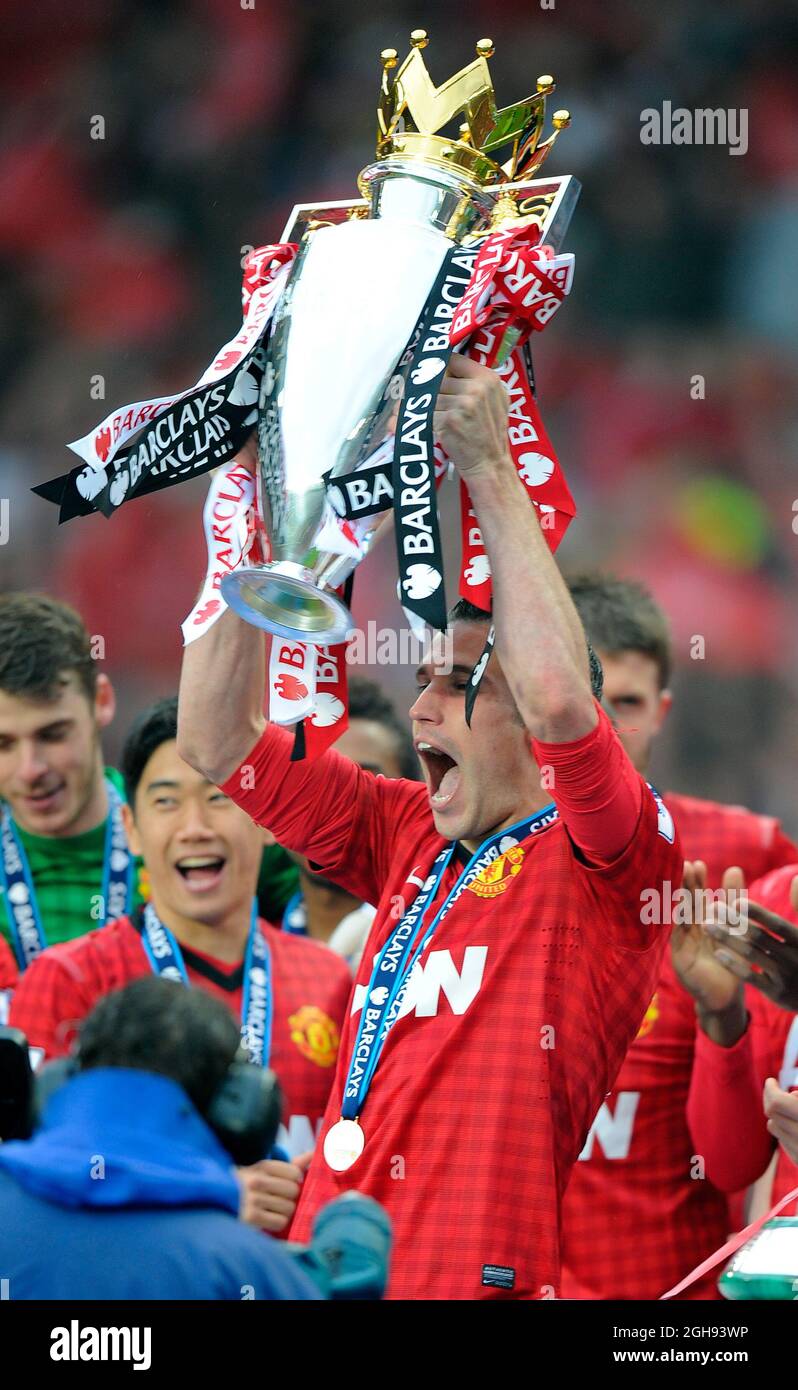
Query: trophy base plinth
(281, 598)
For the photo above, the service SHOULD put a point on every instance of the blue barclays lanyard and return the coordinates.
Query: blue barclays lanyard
(393, 970)
(295, 917)
(16, 880)
(166, 959)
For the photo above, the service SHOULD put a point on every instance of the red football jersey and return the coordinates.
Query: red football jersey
(9, 974)
(637, 1216)
(509, 1036)
(9, 970)
(785, 1069)
(311, 988)
(727, 835)
(726, 1098)
(773, 892)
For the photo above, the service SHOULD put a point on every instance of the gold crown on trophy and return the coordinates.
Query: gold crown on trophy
(412, 109)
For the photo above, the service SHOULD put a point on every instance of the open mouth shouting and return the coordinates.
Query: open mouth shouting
(442, 773)
(201, 873)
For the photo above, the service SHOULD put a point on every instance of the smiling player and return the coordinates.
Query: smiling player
(65, 867)
(202, 856)
(507, 969)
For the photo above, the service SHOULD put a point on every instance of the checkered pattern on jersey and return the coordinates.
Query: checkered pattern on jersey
(726, 835)
(773, 892)
(9, 971)
(635, 1218)
(524, 1008)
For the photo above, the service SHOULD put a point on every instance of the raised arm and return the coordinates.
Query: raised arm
(539, 636)
(222, 684)
(342, 818)
(223, 680)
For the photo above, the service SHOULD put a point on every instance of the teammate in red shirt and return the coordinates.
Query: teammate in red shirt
(744, 1093)
(533, 969)
(9, 974)
(202, 856)
(638, 1215)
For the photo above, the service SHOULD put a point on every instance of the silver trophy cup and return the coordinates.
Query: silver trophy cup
(328, 400)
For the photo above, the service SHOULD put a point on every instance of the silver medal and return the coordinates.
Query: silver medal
(343, 1145)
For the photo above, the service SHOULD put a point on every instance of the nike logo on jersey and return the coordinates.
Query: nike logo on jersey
(438, 977)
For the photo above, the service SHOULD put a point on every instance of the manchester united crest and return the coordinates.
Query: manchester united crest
(315, 1034)
(497, 876)
(651, 1016)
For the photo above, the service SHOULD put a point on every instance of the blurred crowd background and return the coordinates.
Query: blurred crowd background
(122, 257)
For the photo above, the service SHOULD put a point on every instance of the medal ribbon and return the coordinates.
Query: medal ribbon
(118, 866)
(295, 917)
(392, 972)
(166, 960)
(16, 880)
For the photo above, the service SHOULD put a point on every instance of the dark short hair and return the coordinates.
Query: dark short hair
(620, 615)
(155, 725)
(160, 1026)
(367, 700)
(41, 642)
(466, 612)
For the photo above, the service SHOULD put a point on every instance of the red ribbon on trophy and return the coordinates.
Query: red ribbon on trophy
(516, 288)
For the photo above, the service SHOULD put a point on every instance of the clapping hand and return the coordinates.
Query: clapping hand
(761, 950)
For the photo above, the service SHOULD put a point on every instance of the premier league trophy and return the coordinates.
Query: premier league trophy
(339, 353)
(348, 327)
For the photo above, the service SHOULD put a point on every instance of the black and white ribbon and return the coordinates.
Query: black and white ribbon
(418, 543)
(153, 444)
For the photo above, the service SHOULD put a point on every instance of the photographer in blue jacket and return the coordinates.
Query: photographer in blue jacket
(127, 1188)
